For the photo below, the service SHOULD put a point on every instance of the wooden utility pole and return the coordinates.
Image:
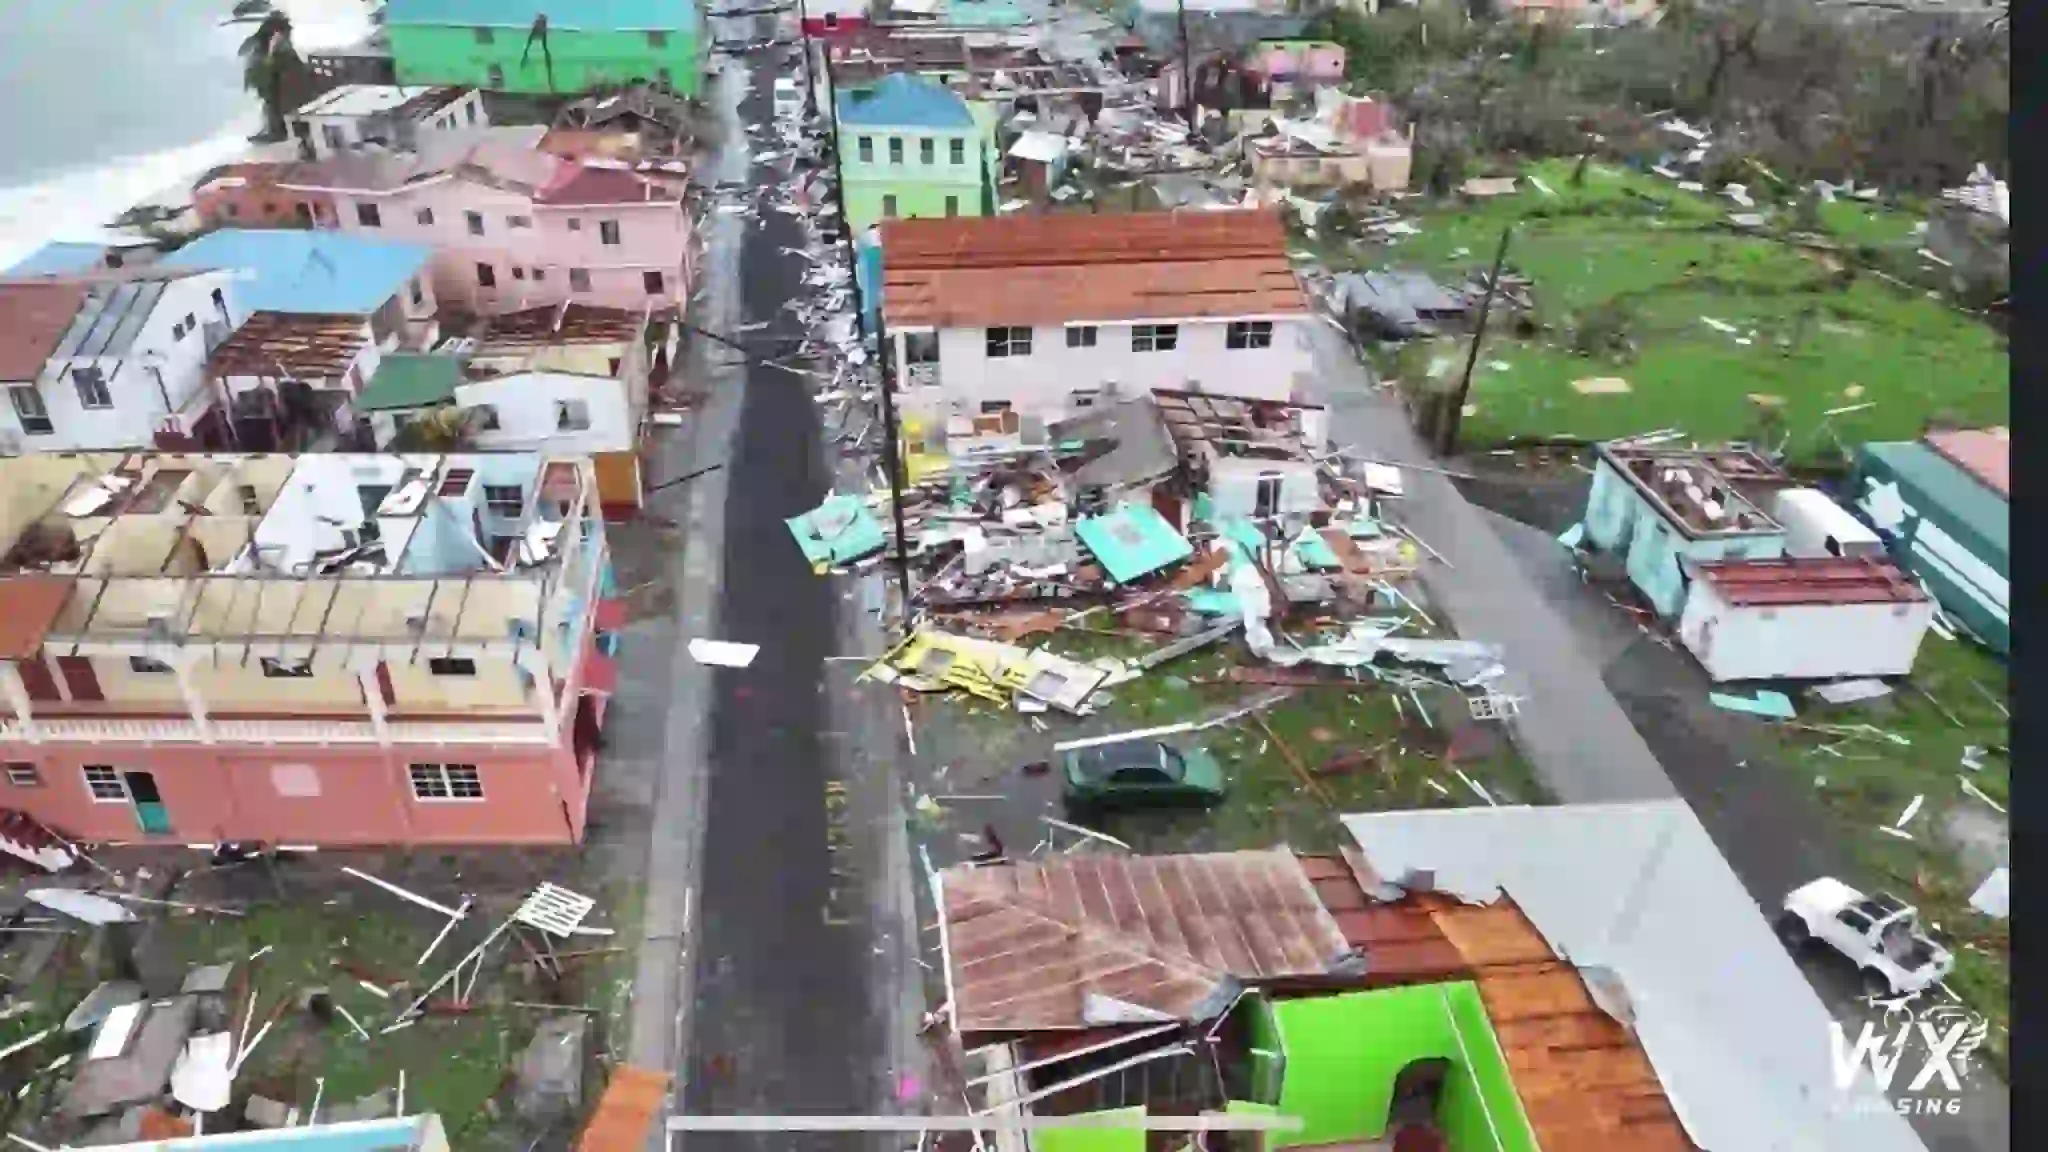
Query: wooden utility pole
(1187, 72)
(1447, 437)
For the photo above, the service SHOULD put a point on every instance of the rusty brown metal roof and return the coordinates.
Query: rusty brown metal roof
(1985, 453)
(33, 604)
(299, 345)
(1583, 1078)
(1042, 946)
(625, 1114)
(33, 317)
(547, 327)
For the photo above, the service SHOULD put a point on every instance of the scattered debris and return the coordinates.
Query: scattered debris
(723, 653)
(1850, 691)
(1994, 896)
(1767, 703)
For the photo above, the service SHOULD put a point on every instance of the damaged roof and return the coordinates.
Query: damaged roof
(1985, 453)
(1640, 899)
(1083, 940)
(290, 345)
(1808, 580)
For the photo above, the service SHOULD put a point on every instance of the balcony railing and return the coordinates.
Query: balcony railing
(181, 730)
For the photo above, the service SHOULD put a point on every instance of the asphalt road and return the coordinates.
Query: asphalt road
(782, 1014)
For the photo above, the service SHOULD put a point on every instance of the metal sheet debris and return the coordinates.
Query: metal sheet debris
(1850, 691)
(1767, 703)
(723, 653)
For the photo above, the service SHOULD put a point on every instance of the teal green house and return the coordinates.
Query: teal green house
(911, 147)
(484, 43)
(1947, 527)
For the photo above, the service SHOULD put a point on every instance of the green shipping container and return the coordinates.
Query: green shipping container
(1946, 527)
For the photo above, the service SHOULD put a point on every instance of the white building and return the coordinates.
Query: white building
(101, 359)
(1049, 315)
(392, 115)
(1804, 619)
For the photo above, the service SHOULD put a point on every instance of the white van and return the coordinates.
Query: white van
(1817, 526)
(789, 96)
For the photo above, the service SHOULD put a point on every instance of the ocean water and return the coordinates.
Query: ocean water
(104, 103)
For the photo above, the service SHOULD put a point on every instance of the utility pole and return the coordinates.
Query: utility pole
(1187, 72)
(1447, 440)
(891, 447)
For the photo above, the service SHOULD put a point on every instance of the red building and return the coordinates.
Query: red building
(325, 650)
(246, 195)
(826, 18)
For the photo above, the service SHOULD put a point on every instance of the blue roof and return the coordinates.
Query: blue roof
(904, 100)
(60, 258)
(298, 271)
(580, 15)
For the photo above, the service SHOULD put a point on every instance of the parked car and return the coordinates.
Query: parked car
(1139, 773)
(789, 97)
(1879, 934)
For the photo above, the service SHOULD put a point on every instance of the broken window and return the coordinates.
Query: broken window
(1249, 334)
(652, 281)
(1155, 337)
(22, 775)
(1003, 342)
(572, 415)
(451, 666)
(92, 388)
(278, 668)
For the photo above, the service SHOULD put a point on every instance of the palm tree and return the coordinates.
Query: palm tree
(271, 67)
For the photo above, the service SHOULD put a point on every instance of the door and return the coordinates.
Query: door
(150, 812)
(36, 679)
(80, 678)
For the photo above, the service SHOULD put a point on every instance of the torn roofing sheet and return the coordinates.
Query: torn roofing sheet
(839, 531)
(1132, 540)
(1640, 889)
(1081, 940)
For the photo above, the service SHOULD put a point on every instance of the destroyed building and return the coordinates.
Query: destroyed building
(1657, 506)
(344, 649)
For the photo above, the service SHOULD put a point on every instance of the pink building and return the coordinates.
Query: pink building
(827, 18)
(514, 227)
(328, 650)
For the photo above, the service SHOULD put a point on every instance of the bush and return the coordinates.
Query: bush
(1604, 331)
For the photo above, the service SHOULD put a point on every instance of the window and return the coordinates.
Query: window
(889, 207)
(424, 217)
(147, 666)
(921, 347)
(571, 415)
(952, 205)
(1857, 921)
(29, 408)
(277, 668)
(1155, 337)
(191, 321)
(1249, 334)
(177, 332)
(866, 148)
(486, 417)
(486, 276)
(579, 279)
(1080, 335)
(540, 274)
(1082, 398)
(518, 221)
(657, 39)
(927, 151)
(652, 282)
(485, 36)
(1009, 342)
(895, 150)
(105, 784)
(334, 136)
(518, 272)
(419, 294)
(994, 407)
(446, 782)
(608, 232)
(475, 221)
(451, 666)
(575, 224)
(22, 775)
(666, 77)
(368, 216)
(956, 151)
(92, 388)
(504, 500)
(472, 111)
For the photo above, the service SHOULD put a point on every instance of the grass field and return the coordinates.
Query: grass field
(1733, 334)
(1869, 780)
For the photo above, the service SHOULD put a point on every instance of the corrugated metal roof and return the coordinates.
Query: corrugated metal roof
(109, 319)
(1985, 453)
(1809, 580)
(280, 344)
(1054, 945)
(1007, 242)
(1640, 890)
(1957, 491)
(904, 100)
(585, 15)
(60, 258)
(411, 380)
(330, 273)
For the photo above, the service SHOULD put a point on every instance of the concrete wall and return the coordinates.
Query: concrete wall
(428, 54)
(920, 189)
(1043, 382)
(1801, 641)
(532, 265)
(137, 388)
(527, 418)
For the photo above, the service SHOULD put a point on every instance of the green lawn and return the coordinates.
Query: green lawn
(1867, 780)
(1801, 344)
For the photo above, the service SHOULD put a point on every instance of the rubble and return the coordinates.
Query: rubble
(549, 1085)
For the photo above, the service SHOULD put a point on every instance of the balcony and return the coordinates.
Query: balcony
(183, 730)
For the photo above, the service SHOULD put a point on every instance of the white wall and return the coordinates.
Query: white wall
(526, 413)
(1043, 382)
(138, 407)
(1234, 486)
(1801, 641)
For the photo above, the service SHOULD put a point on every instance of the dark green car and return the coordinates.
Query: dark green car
(1140, 773)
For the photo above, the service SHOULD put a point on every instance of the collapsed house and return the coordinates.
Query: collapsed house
(1464, 979)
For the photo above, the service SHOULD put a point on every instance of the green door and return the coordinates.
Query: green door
(150, 812)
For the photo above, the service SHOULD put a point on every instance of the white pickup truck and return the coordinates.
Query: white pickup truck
(1879, 934)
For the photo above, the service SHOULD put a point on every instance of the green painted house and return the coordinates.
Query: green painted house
(496, 44)
(911, 147)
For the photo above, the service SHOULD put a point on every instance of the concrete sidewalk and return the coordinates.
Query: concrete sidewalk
(1579, 740)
